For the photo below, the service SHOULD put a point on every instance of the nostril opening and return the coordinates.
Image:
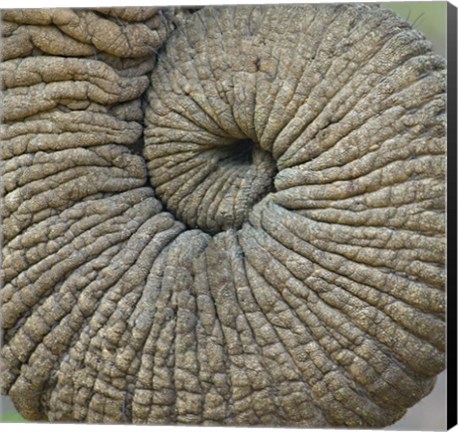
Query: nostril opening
(238, 153)
(213, 188)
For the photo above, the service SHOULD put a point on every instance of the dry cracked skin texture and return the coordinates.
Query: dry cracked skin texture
(275, 256)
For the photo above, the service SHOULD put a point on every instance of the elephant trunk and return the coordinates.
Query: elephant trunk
(275, 253)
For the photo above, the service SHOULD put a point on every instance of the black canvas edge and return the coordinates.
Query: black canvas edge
(451, 217)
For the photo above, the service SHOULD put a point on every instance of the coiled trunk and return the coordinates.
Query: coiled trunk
(275, 256)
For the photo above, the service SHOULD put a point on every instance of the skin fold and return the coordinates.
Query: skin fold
(229, 216)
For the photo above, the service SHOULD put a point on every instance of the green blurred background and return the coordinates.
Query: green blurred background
(430, 18)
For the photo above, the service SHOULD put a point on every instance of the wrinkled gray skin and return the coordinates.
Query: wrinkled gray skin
(276, 254)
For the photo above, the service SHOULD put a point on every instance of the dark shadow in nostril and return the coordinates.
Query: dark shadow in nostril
(238, 153)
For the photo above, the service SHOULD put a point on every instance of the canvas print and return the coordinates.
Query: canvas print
(224, 215)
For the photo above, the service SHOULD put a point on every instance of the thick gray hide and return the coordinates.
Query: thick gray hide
(283, 261)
